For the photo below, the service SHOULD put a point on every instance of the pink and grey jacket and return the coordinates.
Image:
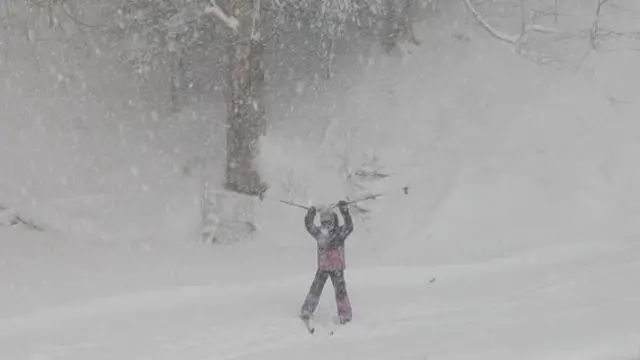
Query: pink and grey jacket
(331, 244)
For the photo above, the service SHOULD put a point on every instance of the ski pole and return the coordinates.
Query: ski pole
(405, 189)
(370, 197)
(294, 204)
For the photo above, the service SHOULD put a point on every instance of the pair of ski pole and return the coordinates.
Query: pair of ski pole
(368, 197)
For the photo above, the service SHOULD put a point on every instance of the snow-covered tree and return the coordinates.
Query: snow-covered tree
(163, 32)
(249, 25)
(153, 34)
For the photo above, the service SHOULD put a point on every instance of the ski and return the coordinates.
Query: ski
(311, 328)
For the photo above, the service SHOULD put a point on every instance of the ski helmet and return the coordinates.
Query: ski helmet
(328, 219)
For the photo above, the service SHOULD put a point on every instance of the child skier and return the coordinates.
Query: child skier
(330, 238)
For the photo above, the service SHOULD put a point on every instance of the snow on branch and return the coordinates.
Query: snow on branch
(522, 41)
(490, 29)
(230, 21)
(527, 26)
(543, 29)
(596, 24)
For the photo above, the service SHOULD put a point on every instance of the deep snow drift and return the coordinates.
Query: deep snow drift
(518, 238)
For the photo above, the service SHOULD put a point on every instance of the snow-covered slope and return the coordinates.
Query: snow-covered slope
(565, 302)
(517, 239)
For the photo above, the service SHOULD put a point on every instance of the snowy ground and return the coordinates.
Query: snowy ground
(518, 239)
(167, 302)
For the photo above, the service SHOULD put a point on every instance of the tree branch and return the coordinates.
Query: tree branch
(255, 32)
(523, 19)
(490, 29)
(596, 24)
(543, 29)
(230, 21)
(520, 41)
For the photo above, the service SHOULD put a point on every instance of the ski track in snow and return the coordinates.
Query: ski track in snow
(398, 306)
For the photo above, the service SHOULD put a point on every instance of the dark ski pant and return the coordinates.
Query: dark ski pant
(340, 287)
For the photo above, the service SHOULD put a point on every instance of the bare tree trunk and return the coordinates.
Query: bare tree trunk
(244, 91)
(595, 28)
(228, 214)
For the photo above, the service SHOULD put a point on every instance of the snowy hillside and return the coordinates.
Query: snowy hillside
(517, 239)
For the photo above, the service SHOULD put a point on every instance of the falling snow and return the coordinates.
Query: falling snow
(496, 143)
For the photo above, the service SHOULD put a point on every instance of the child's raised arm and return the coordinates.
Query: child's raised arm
(308, 222)
(347, 228)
